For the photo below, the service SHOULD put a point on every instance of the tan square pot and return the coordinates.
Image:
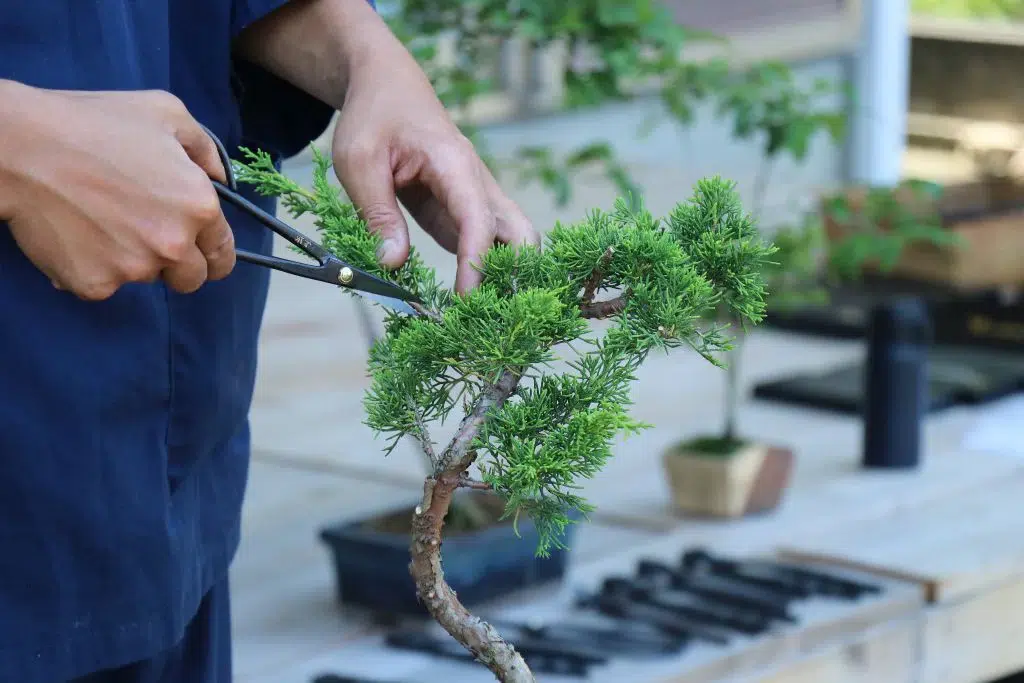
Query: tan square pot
(751, 480)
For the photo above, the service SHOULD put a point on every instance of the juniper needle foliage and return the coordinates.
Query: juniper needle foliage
(654, 279)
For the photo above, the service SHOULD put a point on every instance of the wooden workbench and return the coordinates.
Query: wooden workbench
(948, 539)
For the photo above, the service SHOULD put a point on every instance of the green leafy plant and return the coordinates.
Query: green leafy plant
(486, 359)
(611, 51)
(872, 226)
(1005, 10)
(766, 103)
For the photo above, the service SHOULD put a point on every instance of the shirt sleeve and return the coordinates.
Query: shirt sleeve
(276, 116)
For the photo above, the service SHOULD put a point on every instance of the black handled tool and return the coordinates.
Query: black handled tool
(328, 268)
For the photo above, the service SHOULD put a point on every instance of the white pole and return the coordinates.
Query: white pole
(881, 92)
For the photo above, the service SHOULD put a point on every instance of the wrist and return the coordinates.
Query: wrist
(16, 106)
(363, 38)
(319, 46)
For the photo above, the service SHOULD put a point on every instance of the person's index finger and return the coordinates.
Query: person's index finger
(469, 208)
(369, 183)
(201, 148)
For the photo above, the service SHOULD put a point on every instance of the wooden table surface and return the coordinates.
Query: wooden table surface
(950, 534)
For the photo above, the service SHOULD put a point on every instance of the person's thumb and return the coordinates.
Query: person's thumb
(371, 187)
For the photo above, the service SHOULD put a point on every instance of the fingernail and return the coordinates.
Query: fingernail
(386, 251)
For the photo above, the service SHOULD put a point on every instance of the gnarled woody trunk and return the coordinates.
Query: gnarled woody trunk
(476, 635)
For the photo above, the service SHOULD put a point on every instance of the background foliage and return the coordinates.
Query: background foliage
(610, 51)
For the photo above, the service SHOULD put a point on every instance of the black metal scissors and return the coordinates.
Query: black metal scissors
(328, 268)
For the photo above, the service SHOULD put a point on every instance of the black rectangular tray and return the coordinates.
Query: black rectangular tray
(956, 376)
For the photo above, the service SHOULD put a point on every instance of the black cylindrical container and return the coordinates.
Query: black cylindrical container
(896, 385)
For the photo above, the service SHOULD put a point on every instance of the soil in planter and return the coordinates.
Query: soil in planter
(460, 519)
(712, 446)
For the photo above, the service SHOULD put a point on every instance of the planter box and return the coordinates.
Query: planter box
(987, 216)
(751, 480)
(371, 562)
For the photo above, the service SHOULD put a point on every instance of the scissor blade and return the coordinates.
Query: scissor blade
(397, 305)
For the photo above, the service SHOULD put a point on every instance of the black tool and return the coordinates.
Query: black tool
(699, 563)
(337, 678)
(772, 576)
(690, 607)
(542, 657)
(735, 594)
(624, 640)
(622, 607)
(827, 585)
(328, 268)
(896, 384)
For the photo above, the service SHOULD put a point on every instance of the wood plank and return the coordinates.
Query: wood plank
(837, 499)
(956, 545)
(887, 653)
(976, 639)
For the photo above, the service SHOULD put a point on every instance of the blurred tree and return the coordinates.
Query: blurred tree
(611, 51)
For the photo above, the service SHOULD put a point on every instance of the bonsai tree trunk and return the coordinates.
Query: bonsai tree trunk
(476, 635)
(451, 473)
(732, 391)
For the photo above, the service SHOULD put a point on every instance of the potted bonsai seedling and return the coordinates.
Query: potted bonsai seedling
(726, 474)
(485, 359)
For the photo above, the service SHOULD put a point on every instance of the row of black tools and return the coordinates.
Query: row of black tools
(656, 613)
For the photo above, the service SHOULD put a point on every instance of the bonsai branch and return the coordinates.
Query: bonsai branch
(475, 484)
(423, 436)
(426, 312)
(476, 635)
(459, 454)
(599, 310)
(594, 281)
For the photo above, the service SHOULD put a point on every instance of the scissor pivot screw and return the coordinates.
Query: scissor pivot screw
(345, 275)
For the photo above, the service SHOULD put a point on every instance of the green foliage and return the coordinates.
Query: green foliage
(612, 46)
(794, 275)
(532, 310)
(616, 51)
(875, 227)
(1012, 10)
(767, 100)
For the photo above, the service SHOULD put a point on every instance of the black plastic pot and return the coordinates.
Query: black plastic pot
(372, 565)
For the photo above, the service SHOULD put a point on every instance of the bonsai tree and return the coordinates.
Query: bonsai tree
(485, 359)
(767, 102)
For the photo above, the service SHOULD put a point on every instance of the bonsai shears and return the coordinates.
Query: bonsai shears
(328, 267)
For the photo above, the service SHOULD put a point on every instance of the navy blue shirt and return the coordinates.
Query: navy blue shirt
(124, 441)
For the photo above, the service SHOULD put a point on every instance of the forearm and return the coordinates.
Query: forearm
(317, 44)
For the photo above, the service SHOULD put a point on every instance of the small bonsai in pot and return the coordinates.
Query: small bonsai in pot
(727, 475)
(485, 360)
